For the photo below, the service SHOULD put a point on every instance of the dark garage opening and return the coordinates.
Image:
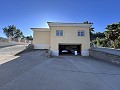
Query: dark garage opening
(68, 49)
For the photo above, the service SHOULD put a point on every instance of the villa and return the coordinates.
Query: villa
(63, 38)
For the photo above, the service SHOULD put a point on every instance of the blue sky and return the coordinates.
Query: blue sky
(35, 13)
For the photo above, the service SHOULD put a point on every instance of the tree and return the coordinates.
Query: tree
(98, 34)
(87, 22)
(9, 31)
(29, 38)
(117, 43)
(91, 29)
(113, 31)
(18, 34)
(12, 31)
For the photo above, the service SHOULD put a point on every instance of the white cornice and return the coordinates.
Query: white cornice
(68, 24)
(40, 29)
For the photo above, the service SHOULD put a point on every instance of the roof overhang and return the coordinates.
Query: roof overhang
(40, 29)
(54, 24)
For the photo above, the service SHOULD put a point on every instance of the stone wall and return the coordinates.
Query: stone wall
(112, 58)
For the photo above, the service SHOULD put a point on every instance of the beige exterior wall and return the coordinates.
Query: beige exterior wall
(41, 39)
(70, 36)
(45, 38)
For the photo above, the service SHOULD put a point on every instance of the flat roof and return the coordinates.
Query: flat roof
(40, 29)
(69, 24)
(62, 24)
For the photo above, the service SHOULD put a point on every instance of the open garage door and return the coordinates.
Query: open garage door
(69, 49)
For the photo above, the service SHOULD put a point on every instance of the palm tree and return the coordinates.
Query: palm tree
(91, 29)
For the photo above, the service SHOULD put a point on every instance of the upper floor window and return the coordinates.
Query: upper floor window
(81, 33)
(59, 32)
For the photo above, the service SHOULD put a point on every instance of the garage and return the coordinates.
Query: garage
(69, 49)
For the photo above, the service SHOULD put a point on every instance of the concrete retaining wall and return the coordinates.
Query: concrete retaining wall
(30, 47)
(112, 58)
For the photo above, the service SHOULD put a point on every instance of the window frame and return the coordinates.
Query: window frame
(81, 33)
(59, 33)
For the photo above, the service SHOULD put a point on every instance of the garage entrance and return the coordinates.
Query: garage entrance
(69, 49)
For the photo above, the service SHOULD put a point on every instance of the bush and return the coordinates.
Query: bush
(117, 43)
(105, 43)
(98, 41)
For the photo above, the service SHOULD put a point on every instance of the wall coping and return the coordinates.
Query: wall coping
(107, 52)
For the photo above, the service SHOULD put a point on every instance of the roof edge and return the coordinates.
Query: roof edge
(40, 29)
(68, 24)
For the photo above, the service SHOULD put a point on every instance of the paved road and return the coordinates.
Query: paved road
(34, 71)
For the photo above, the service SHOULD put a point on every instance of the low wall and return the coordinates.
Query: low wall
(30, 47)
(105, 56)
(5, 44)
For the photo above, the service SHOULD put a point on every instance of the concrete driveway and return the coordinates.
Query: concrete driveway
(7, 53)
(34, 71)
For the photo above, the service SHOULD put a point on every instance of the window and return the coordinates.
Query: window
(59, 32)
(81, 33)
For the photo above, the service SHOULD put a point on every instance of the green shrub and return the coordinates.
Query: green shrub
(117, 43)
(98, 41)
(105, 43)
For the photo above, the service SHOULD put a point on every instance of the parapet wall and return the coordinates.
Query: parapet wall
(105, 56)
